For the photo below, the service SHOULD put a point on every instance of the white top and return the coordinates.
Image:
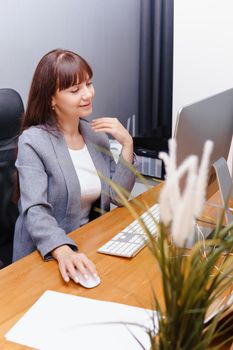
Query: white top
(89, 180)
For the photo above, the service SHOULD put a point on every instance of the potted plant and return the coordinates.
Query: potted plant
(192, 281)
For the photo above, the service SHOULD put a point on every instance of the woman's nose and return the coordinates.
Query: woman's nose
(86, 93)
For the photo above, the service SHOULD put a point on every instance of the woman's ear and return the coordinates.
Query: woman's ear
(53, 104)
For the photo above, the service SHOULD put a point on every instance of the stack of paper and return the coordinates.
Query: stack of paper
(62, 321)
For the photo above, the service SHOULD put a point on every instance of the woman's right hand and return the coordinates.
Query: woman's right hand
(70, 261)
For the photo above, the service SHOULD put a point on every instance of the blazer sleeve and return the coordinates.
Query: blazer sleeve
(122, 173)
(36, 210)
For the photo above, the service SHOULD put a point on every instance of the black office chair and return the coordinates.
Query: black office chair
(11, 110)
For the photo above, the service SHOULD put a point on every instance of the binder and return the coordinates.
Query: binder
(147, 151)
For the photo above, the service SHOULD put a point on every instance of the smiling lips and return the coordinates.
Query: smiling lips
(87, 105)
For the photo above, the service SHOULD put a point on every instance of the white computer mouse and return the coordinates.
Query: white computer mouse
(91, 282)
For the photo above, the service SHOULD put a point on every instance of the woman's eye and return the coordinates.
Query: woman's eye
(89, 83)
(73, 91)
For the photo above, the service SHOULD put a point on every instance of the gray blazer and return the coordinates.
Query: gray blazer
(49, 204)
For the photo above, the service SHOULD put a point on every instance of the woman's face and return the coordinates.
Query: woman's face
(76, 101)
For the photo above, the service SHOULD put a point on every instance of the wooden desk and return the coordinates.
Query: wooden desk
(127, 281)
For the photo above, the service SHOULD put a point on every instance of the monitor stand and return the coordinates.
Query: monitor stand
(225, 187)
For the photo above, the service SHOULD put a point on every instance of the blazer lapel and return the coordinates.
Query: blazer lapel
(98, 159)
(71, 178)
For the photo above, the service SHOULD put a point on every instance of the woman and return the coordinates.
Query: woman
(59, 155)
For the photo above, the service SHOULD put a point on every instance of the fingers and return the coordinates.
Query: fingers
(104, 120)
(71, 271)
(113, 127)
(68, 266)
(108, 130)
(85, 266)
(106, 125)
(63, 271)
(89, 265)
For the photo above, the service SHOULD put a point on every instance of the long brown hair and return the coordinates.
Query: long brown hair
(57, 70)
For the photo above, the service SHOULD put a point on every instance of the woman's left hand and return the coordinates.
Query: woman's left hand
(113, 127)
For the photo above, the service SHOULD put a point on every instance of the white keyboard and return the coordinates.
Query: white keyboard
(132, 238)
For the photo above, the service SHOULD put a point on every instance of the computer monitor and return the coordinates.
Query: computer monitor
(210, 118)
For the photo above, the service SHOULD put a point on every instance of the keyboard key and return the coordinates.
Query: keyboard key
(128, 242)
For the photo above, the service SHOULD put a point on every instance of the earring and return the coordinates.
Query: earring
(53, 108)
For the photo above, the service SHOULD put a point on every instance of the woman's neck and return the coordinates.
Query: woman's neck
(72, 135)
(70, 127)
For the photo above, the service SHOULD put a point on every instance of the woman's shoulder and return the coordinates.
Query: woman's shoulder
(33, 134)
(37, 130)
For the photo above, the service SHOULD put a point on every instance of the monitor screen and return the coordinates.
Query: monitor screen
(210, 118)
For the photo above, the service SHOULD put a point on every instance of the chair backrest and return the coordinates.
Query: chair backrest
(11, 110)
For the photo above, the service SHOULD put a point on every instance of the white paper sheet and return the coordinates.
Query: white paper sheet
(59, 321)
